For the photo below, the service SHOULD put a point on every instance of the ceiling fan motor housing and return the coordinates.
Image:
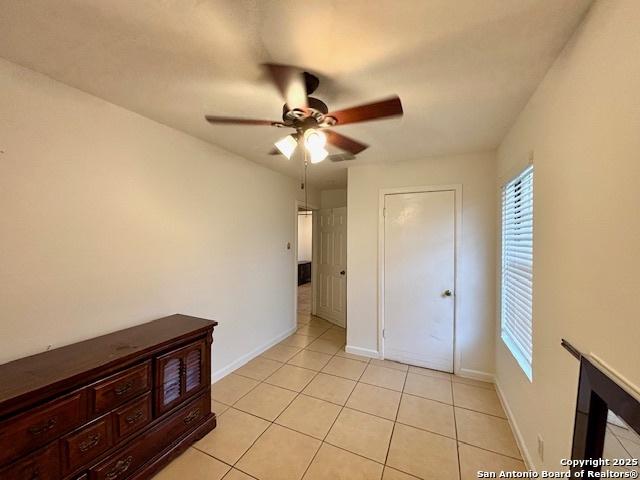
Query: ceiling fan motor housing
(313, 116)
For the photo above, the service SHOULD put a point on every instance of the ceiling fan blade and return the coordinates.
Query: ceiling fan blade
(241, 121)
(345, 143)
(370, 111)
(290, 82)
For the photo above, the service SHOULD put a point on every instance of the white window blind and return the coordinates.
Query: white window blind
(517, 268)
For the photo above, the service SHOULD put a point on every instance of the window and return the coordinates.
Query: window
(517, 268)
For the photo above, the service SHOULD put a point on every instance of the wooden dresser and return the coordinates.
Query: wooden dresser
(113, 407)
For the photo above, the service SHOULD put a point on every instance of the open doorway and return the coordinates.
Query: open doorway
(305, 262)
(321, 260)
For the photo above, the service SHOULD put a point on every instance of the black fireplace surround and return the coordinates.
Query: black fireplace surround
(598, 393)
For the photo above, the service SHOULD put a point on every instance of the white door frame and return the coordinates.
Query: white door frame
(457, 189)
(298, 204)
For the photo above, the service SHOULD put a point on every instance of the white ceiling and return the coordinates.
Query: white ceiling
(463, 68)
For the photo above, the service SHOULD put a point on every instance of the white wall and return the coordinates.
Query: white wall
(583, 125)
(305, 231)
(476, 291)
(333, 198)
(110, 219)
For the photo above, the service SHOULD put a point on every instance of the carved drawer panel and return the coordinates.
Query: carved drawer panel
(81, 447)
(132, 416)
(121, 387)
(124, 463)
(31, 430)
(42, 465)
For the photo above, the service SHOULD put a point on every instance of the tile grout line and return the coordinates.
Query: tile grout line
(343, 406)
(337, 416)
(359, 380)
(270, 422)
(395, 420)
(231, 467)
(273, 422)
(323, 441)
(455, 426)
(360, 411)
(624, 447)
(491, 451)
(332, 424)
(458, 441)
(368, 413)
(377, 416)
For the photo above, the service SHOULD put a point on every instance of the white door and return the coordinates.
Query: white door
(332, 265)
(419, 256)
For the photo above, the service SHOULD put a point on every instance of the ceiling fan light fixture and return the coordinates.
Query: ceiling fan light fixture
(287, 145)
(314, 139)
(318, 154)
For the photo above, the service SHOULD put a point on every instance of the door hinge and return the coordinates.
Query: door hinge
(384, 212)
(383, 333)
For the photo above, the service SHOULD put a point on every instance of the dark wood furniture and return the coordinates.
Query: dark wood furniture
(304, 272)
(600, 392)
(117, 406)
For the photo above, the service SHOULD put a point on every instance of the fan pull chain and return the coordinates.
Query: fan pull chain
(306, 187)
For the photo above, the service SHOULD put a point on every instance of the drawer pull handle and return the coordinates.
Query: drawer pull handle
(90, 443)
(40, 429)
(131, 419)
(193, 415)
(121, 467)
(124, 388)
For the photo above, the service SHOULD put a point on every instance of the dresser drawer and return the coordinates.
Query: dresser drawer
(132, 416)
(121, 387)
(150, 444)
(81, 447)
(42, 465)
(31, 430)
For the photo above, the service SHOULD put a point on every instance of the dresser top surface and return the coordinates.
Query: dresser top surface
(48, 372)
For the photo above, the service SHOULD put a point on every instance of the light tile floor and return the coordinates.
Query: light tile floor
(309, 410)
(621, 442)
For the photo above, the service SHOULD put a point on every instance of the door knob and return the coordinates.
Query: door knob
(343, 272)
(447, 293)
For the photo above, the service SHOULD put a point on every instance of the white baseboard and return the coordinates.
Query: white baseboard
(476, 375)
(526, 456)
(363, 352)
(224, 371)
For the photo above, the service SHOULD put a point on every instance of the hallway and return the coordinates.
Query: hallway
(304, 300)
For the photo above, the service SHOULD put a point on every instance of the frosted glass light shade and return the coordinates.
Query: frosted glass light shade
(287, 145)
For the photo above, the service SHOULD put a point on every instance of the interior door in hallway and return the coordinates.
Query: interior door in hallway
(332, 265)
(419, 275)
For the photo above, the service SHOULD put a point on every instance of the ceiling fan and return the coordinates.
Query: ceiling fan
(311, 118)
